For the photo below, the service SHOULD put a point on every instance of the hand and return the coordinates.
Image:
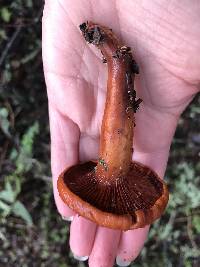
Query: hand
(164, 36)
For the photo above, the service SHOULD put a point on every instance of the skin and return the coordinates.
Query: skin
(165, 38)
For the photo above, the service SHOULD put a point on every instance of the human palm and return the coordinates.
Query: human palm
(164, 39)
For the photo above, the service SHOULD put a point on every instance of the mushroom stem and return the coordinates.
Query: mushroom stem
(116, 141)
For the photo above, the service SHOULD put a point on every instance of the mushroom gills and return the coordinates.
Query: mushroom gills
(139, 190)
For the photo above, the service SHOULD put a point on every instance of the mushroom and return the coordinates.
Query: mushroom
(114, 192)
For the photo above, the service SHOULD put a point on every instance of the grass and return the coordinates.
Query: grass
(31, 231)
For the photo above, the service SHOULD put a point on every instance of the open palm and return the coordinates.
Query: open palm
(165, 40)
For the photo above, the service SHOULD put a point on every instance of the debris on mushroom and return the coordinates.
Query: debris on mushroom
(114, 191)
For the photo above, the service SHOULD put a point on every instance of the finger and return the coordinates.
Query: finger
(105, 247)
(82, 234)
(131, 243)
(64, 151)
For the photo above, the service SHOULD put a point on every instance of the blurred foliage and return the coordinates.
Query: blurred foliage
(174, 240)
(23, 162)
(31, 231)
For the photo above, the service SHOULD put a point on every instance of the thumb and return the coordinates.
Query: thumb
(64, 151)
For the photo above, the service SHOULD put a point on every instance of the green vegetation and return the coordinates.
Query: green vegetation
(31, 231)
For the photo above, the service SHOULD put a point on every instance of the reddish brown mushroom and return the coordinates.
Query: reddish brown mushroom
(114, 192)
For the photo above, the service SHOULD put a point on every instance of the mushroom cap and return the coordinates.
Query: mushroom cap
(123, 203)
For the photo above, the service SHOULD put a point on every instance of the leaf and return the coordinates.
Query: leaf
(7, 196)
(29, 3)
(13, 154)
(20, 210)
(30, 56)
(28, 138)
(5, 208)
(5, 124)
(5, 14)
(3, 34)
(10, 193)
(24, 161)
(196, 223)
(2, 236)
(166, 232)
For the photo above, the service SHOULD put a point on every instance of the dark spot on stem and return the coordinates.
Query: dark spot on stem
(83, 27)
(122, 52)
(134, 67)
(116, 54)
(128, 78)
(104, 60)
(136, 104)
(119, 131)
(92, 35)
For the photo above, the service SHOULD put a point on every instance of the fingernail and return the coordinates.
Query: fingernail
(121, 262)
(81, 258)
(69, 219)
